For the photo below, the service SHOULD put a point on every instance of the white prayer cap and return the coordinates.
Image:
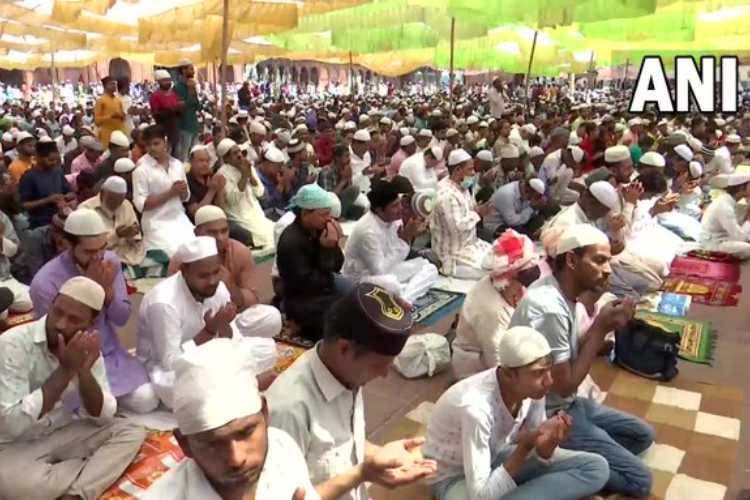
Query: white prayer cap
(485, 155)
(350, 125)
(695, 144)
(295, 146)
(521, 346)
(196, 148)
(45, 138)
(364, 118)
(458, 156)
(115, 184)
(578, 236)
(233, 120)
(574, 140)
(720, 122)
(283, 135)
(124, 165)
(535, 151)
(616, 154)
(424, 132)
(634, 122)
(198, 248)
(653, 159)
(537, 185)
(335, 205)
(386, 121)
(22, 136)
(483, 124)
(274, 155)
(243, 114)
(362, 135)
(66, 130)
(509, 151)
(605, 193)
(406, 140)
(84, 222)
(215, 383)
(209, 213)
(451, 132)
(257, 128)
(162, 74)
(684, 152)
(224, 146)
(118, 138)
(404, 131)
(696, 169)
(437, 112)
(36, 113)
(733, 139)
(472, 120)
(737, 179)
(91, 142)
(8, 137)
(663, 121)
(84, 290)
(301, 128)
(436, 151)
(577, 153)
(530, 128)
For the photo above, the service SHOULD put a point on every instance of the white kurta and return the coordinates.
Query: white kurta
(283, 472)
(721, 231)
(484, 318)
(375, 253)
(244, 208)
(359, 165)
(421, 177)
(167, 226)
(453, 225)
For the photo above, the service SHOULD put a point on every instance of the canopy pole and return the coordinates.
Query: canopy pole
(451, 75)
(54, 78)
(625, 77)
(224, 47)
(351, 74)
(528, 71)
(592, 75)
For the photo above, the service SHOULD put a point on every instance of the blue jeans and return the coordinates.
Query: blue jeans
(184, 145)
(569, 475)
(616, 436)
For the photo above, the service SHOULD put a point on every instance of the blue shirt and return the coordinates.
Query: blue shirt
(37, 184)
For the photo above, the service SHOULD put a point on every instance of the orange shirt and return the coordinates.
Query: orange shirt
(17, 168)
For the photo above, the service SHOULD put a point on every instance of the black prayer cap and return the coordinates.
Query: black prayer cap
(370, 316)
(382, 193)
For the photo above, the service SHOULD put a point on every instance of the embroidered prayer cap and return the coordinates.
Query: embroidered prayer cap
(115, 184)
(209, 213)
(616, 154)
(696, 169)
(535, 151)
(118, 138)
(472, 120)
(604, 193)
(458, 156)
(372, 317)
(295, 146)
(652, 159)
(84, 290)
(274, 155)
(362, 135)
(521, 346)
(510, 252)
(406, 140)
(537, 185)
(84, 222)
(423, 202)
(224, 146)
(124, 165)
(198, 248)
(311, 197)
(684, 152)
(162, 74)
(579, 236)
(215, 383)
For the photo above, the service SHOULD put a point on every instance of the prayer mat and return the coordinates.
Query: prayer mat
(155, 265)
(17, 319)
(713, 256)
(435, 305)
(697, 433)
(287, 354)
(289, 334)
(261, 255)
(696, 337)
(704, 291)
(158, 454)
(693, 266)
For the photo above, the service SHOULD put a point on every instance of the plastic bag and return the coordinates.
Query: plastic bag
(425, 354)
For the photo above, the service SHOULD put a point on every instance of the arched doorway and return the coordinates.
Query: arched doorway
(303, 77)
(314, 76)
(119, 68)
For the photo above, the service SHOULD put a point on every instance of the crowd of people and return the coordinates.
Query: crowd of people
(561, 209)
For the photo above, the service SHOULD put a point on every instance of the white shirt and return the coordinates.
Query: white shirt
(374, 248)
(470, 426)
(421, 177)
(720, 224)
(283, 472)
(359, 165)
(167, 226)
(66, 147)
(549, 167)
(244, 208)
(25, 365)
(508, 207)
(325, 419)
(497, 102)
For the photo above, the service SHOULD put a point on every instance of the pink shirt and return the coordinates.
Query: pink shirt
(394, 167)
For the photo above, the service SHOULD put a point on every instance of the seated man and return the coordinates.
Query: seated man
(421, 169)
(219, 409)
(87, 256)
(582, 264)
(489, 305)
(159, 189)
(43, 189)
(8, 250)
(242, 192)
(491, 437)
(516, 205)
(237, 271)
(309, 259)
(319, 402)
(378, 249)
(124, 237)
(124, 168)
(40, 246)
(721, 230)
(453, 222)
(189, 308)
(278, 183)
(337, 178)
(48, 450)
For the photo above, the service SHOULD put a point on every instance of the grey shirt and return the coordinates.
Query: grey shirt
(545, 309)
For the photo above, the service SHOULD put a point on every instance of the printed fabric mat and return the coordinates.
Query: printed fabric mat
(713, 256)
(435, 305)
(704, 291)
(696, 337)
(693, 266)
(697, 433)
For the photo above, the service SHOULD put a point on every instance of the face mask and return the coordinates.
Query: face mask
(468, 182)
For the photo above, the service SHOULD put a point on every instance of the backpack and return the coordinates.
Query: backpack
(647, 350)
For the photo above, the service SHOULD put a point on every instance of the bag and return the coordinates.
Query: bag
(647, 350)
(425, 354)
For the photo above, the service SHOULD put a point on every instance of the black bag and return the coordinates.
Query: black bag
(647, 350)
